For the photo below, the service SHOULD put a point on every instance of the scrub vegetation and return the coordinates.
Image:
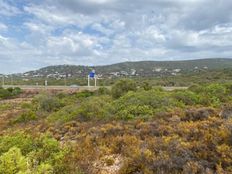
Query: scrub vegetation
(131, 128)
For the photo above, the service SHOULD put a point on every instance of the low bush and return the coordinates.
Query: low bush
(26, 116)
(9, 92)
(92, 108)
(123, 86)
(5, 106)
(27, 154)
(146, 86)
(65, 114)
(187, 97)
(47, 103)
(131, 112)
(95, 108)
(5, 93)
(84, 94)
(103, 91)
(144, 103)
(13, 162)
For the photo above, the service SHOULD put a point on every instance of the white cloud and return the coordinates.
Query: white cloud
(7, 9)
(109, 31)
(3, 27)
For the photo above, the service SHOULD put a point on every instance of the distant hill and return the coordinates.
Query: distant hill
(142, 68)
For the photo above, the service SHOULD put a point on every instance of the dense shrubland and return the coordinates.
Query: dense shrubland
(22, 153)
(131, 128)
(9, 92)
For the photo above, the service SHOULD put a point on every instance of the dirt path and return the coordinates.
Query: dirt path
(15, 100)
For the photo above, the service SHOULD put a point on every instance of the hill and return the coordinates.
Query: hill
(142, 68)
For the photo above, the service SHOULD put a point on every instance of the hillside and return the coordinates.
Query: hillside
(141, 69)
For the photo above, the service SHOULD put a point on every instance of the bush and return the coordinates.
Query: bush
(102, 91)
(229, 88)
(122, 87)
(84, 94)
(4, 93)
(95, 108)
(47, 103)
(25, 117)
(5, 106)
(147, 103)
(23, 153)
(187, 97)
(13, 162)
(132, 112)
(212, 94)
(92, 108)
(146, 86)
(17, 91)
(65, 114)
(9, 92)
(20, 140)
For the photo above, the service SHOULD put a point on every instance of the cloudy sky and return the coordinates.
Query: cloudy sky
(36, 33)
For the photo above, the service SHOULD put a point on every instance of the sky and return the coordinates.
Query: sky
(34, 34)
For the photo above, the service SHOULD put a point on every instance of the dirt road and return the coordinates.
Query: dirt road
(77, 88)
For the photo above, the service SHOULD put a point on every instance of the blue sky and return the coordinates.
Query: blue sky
(35, 34)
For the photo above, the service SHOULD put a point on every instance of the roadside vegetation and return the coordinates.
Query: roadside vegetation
(9, 92)
(132, 128)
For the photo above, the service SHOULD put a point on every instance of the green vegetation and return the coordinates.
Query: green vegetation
(9, 92)
(26, 116)
(122, 87)
(132, 128)
(21, 153)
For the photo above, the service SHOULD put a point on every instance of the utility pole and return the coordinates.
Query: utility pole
(3, 81)
(65, 80)
(11, 79)
(88, 80)
(95, 78)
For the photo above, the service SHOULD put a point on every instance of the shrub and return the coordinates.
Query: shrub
(13, 162)
(10, 89)
(212, 94)
(65, 114)
(147, 102)
(92, 108)
(42, 154)
(132, 112)
(47, 103)
(229, 88)
(146, 86)
(5, 106)
(121, 87)
(187, 97)
(17, 91)
(198, 114)
(84, 94)
(95, 108)
(25, 117)
(4, 93)
(9, 92)
(102, 91)
(22, 141)
(216, 90)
